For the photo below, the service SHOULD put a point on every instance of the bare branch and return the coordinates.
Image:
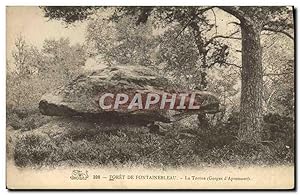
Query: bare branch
(185, 26)
(236, 23)
(215, 18)
(231, 64)
(278, 74)
(228, 64)
(279, 31)
(224, 37)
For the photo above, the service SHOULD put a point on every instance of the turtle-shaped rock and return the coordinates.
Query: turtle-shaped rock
(81, 96)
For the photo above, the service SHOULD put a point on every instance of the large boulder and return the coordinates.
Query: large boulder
(81, 96)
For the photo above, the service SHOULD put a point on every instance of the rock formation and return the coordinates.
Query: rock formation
(80, 97)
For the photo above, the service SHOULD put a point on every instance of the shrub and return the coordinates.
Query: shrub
(25, 120)
(32, 150)
(87, 143)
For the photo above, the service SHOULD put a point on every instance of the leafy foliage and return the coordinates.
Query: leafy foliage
(122, 42)
(34, 73)
(68, 14)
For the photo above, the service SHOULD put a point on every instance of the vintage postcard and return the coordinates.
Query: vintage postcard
(157, 97)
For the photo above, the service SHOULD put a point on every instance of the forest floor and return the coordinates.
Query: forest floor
(75, 142)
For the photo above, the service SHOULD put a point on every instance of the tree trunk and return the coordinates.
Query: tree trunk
(201, 49)
(202, 117)
(252, 84)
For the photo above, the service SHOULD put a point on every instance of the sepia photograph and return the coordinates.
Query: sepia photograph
(150, 97)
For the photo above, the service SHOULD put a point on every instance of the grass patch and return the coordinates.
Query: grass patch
(74, 143)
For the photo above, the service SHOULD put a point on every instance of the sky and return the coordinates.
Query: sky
(35, 28)
(29, 22)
